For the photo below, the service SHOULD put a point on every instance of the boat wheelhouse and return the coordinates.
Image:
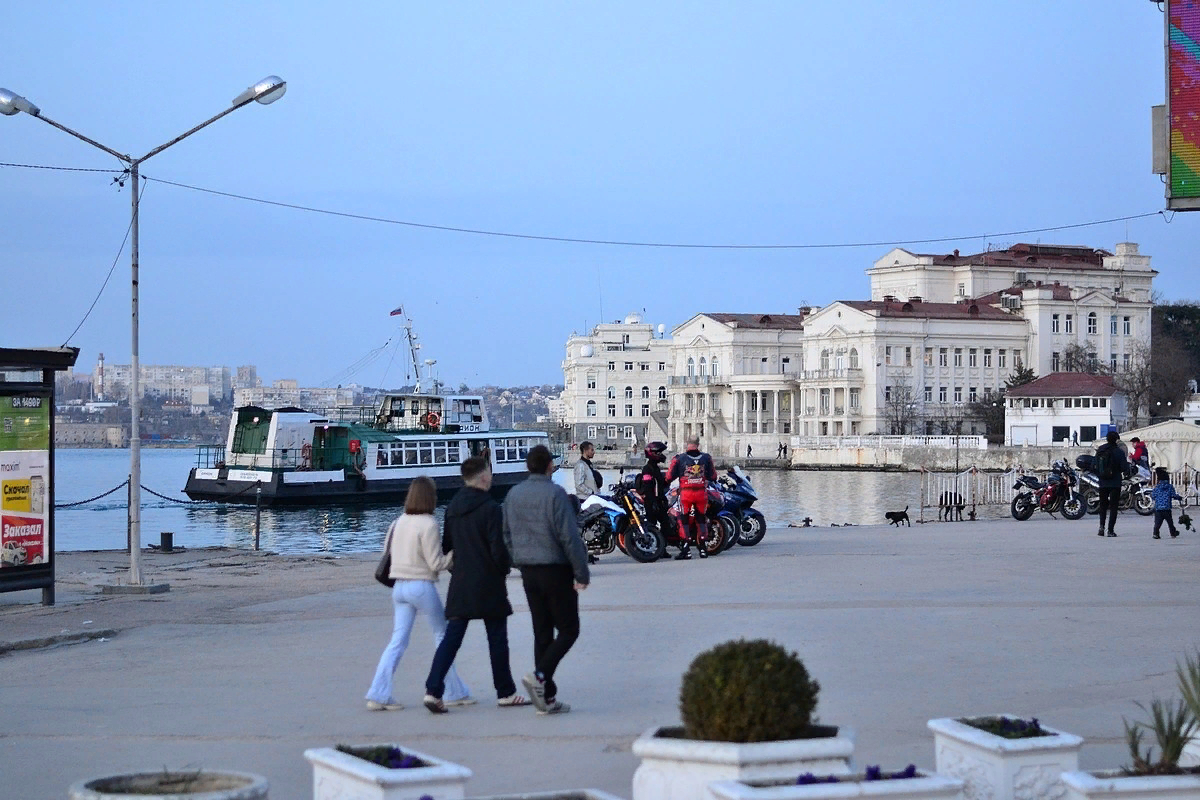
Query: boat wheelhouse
(357, 455)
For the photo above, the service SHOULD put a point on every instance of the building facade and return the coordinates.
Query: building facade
(167, 382)
(288, 393)
(1063, 408)
(615, 384)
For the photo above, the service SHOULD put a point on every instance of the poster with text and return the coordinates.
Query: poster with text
(24, 478)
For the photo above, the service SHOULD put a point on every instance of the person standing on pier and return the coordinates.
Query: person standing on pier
(694, 470)
(652, 485)
(1111, 468)
(587, 478)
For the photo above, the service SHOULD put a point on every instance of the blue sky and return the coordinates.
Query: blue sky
(787, 122)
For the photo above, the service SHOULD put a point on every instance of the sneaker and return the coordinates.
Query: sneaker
(554, 707)
(1100, 532)
(434, 704)
(1112, 533)
(703, 553)
(1156, 536)
(462, 701)
(389, 706)
(537, 690)
(1174, 534)
(513, 700)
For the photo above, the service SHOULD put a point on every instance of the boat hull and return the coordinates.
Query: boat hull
(278, 491)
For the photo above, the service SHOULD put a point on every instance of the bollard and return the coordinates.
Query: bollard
(166, 541)
(257, 512)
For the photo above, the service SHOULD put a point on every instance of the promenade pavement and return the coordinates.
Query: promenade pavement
(253, 657)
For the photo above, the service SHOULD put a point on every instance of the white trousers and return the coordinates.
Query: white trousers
(409, 597)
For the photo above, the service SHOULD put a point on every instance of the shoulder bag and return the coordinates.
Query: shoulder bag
(383, 571)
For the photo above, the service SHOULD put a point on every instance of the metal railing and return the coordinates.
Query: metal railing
(696, 380)
(838, 442)
(286, 458)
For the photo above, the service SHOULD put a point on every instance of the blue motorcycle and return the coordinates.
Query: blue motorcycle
(739, 496)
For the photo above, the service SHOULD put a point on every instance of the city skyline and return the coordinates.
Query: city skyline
(712, 124)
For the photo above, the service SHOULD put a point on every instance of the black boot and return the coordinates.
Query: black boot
(684, 555)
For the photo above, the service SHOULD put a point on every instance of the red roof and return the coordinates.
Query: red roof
(1066, 384)
(923, 310)
(1060, 292)
(1029, 256)
(792, 322)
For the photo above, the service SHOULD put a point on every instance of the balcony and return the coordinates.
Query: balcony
(828, 375)
(697, 380)
(839, 411)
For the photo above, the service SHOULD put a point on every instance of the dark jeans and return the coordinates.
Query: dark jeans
(553, 605)
(1110, 504)
(1159, 516)
(497, 636)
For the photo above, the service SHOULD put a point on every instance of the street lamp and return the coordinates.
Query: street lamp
(266, 91)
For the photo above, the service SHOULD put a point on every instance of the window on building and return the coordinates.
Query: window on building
(908, 356)
(1070, 323)
(716, 367)
(662, 393)
(1093, 362)
(784, 363)
(943, 357)
(839, 359)
(645, 409)
(929, 356)
(689, 403)
(714, 402)
(962, 290)
(1125, 362)
(1060, 433)
(591, 408)
(972, 357)
(625, 338)
(629, 409)
(629, 432)
(854, 396)
(612, 393)
(1055, 361)
(928, 394)
(887, 355)
(987, 357)
(853, 358)
(958, 394)
(958, 356)
(691, 367)
(643, 366)
(1103, 402)
(629, 366)
(612, 431)
(612, 366)
(824, 359)
(1091, 323)
(1087, 433)
(1017, 359)
(628, 392)
(591, 431)
(1112, 325)
(700, 403)
(645, 392)
(591, 380)
(1126, 325)
(1001, 359)
(1112, 362)
(1054, 323)
(941, 394)
(612, 409)
(972, 395)
(703, 373)
(887, 394)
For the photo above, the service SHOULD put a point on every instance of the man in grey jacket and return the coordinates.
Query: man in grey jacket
(587, 479)
(542, 534)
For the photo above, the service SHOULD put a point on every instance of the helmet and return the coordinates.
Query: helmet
(655, 451)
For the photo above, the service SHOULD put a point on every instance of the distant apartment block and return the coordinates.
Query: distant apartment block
(286, 393)
(167, 382)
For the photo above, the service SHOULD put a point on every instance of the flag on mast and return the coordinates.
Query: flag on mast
(397, 312)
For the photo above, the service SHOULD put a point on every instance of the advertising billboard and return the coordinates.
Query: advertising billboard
(24, 479)
(1183, 103)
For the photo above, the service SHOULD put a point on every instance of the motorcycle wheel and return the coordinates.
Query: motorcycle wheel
(715, 538)
(1091, 501)
(753, 529)
(1022, 507)
(729, 531)
(621, 543)
(1073, 507)
(643, 546)
(1143, 504)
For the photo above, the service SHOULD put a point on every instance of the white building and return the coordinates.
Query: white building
(1063, 408)
(287, 394)
(615, 384)
(168, 382)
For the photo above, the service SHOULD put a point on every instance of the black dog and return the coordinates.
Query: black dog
(951, 504)
(896, 517)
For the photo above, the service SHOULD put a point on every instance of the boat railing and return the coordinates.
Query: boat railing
(284, 458)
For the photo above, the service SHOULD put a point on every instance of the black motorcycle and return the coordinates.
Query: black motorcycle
(1135, 488)
(606, 523)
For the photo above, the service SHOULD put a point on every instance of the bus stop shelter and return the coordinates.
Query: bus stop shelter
(27, 466)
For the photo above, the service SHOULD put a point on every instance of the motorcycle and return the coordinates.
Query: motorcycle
(1056, 495)
(739, 496)
(1135, 489)
(603, 523)
(718, 529)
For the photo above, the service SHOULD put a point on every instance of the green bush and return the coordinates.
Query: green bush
(747, 691)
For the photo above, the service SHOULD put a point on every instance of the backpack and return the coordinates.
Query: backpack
(1106, 464)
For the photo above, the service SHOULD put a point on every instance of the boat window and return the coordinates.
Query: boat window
(514, 449)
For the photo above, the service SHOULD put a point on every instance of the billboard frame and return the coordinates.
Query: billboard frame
(1173, 203)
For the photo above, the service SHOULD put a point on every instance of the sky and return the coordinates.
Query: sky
(702, 123)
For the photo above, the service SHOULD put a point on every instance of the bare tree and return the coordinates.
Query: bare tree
(899, 408)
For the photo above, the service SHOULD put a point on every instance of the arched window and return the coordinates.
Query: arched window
(612, 393)
(824, 359)
(716, 367)
(853, 358)
(1092, 323)
(839, 359)
(591, 408)
(645, 392)
(662, 393)
(703, 366)
(691, 367)
(628, 392)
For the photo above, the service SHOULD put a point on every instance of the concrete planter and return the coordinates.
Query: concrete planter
(340, 776)
(675, 768)
(565, 794)
(929, 786)
(1112, 784)
(198, 785)
(1191, 753)
(994, 767)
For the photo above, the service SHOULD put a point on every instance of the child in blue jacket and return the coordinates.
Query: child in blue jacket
(1163, 493)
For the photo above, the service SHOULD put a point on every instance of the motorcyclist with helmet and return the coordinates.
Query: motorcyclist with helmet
(694, 469)
(652, 485)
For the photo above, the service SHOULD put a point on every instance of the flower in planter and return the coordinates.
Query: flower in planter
(384, 756)
(873, 773)
(1007, 727)
(808, 778)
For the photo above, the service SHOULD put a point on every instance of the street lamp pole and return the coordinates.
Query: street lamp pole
(266, 91)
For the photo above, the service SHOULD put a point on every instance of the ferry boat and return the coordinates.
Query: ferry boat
(357, 455)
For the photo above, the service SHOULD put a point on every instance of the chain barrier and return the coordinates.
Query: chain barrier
(93, 499)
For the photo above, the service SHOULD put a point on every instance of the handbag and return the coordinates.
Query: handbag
(384, 569)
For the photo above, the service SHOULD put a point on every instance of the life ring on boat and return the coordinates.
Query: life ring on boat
(432, 419)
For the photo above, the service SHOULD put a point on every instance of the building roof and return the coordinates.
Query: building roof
(31, 358)
(1029, 256)
(1066, 384)
(787, 322)
(923, 310)
(1059, 292)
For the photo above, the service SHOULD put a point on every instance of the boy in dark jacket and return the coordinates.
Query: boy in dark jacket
(474, 533)
(1163, 493)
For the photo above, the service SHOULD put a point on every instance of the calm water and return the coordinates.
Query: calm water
(784, 496)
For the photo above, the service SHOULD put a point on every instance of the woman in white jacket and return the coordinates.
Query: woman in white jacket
(417, 558)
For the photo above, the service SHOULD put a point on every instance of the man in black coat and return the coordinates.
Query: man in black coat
(1111, 468)
(474, 533)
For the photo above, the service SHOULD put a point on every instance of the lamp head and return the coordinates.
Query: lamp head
(11, 103)
(266, 91)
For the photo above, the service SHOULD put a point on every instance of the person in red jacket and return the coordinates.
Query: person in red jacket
(694, 470)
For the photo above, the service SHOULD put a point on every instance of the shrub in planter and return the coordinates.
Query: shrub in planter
(747, 711)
